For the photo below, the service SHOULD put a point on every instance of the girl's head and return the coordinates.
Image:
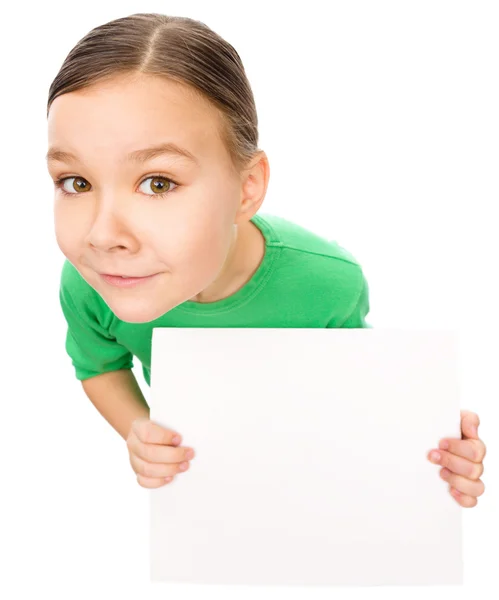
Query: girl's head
(140, 82)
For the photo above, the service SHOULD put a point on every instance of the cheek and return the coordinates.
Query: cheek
(67, 229)
(200, 243)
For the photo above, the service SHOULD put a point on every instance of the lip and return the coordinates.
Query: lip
(119, 281)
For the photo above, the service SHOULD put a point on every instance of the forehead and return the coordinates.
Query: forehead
(115, 118)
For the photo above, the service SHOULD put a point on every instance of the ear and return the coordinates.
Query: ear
(254, 183)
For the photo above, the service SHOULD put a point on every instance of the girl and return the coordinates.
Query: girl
(152, 123)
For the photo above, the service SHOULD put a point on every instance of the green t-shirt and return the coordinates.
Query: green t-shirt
(303, 280)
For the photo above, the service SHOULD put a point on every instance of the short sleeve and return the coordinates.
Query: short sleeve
(92, 349)
(356, 318)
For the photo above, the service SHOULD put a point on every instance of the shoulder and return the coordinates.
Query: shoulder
(292, 236)
(75, 292)
(325, 259)
(73, 283)
(331, 273)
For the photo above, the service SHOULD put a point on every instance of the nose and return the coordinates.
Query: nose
(108, 232)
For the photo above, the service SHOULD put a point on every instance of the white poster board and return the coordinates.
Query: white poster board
(311, 456)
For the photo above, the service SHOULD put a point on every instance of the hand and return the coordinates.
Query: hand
(462, 460)
(154, 454)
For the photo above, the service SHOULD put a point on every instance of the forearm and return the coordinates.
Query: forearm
(118, 398)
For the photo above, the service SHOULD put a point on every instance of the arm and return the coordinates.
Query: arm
(118, 398)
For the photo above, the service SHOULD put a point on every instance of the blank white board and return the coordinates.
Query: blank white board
(311, 456)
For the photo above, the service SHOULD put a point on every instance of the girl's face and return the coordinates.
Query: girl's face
(114, 220)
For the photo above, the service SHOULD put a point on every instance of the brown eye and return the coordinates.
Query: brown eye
(160, 185)
(76, 186)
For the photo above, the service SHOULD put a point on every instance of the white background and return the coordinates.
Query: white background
(380, 122)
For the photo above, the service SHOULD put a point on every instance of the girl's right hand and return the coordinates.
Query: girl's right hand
(154, 456)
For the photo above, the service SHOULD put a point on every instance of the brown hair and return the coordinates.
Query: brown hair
(177, 48)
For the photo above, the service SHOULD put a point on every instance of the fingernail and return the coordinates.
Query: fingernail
(183, 466)
(434, 457)
(444, 444)
(474, 431)
(176, 439)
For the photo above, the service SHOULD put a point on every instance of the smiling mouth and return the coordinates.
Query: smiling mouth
(126, 276)
(124, 281)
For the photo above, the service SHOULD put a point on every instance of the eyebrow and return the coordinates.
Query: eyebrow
(139, 156)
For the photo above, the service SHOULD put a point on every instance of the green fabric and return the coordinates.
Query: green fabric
(304, 280)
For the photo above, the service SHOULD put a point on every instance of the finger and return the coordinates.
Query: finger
(157, 453)
(469, 424)
(473, 450)
(458, 465)
(463, 499)
(150, 482)
(152, 433)
(154, 470)
(462, 484)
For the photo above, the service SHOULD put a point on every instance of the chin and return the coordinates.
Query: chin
(136, 313)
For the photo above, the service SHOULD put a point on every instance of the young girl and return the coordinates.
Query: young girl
(152, 123)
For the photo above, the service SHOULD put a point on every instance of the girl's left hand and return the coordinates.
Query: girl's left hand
(462, 460)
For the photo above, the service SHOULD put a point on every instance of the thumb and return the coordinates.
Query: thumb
(469, 425)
